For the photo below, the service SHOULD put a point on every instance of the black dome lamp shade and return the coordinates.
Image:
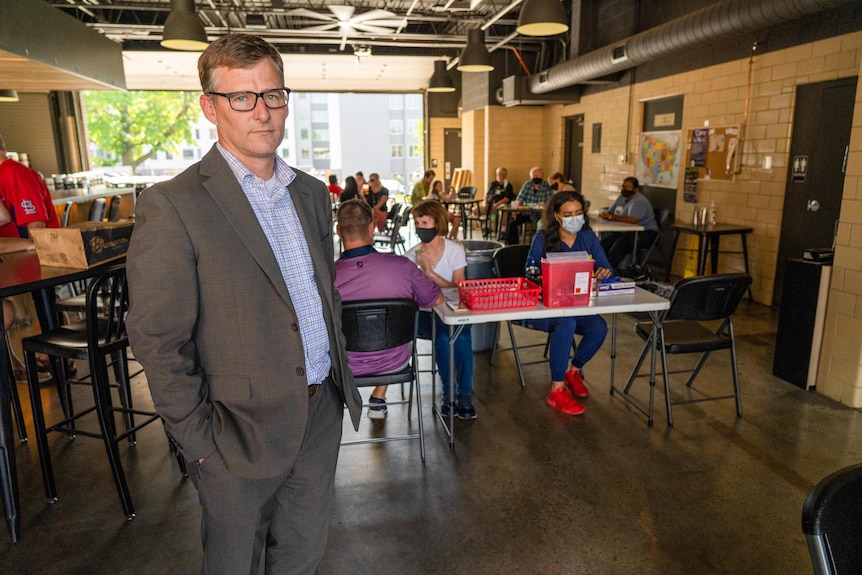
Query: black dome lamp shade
(475, 56)
(441, 81)
(183, 30)
(542, 18)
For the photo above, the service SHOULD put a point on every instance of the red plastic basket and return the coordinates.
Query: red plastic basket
(498, 293)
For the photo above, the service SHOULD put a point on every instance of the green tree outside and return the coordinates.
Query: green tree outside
(134, 125)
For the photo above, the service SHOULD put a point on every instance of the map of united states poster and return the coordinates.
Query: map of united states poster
(658, 159)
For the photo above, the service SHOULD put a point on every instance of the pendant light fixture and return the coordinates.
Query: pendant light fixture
(542, 18)
(10, 96)
(183, 30)
(475, 56)
(440, 81)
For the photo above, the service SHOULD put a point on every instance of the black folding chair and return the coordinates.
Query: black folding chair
(376, 325)
(507, 262)
(657, 252)
(832, 523)
(694, 300)
(391, 241)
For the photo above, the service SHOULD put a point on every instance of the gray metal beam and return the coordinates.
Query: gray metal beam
(35, 31)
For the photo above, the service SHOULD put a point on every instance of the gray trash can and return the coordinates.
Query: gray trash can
(479, 257)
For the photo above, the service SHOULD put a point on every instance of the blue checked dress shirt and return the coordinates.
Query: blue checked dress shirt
(280, 223)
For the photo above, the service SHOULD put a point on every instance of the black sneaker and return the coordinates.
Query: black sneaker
(446, 407)
(466, 409)
(377, 408)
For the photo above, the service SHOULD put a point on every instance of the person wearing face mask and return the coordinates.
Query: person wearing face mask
(559, 184)
(631, 207)
(445, 263)
(500, 193)
(566, 230)
(534, 192)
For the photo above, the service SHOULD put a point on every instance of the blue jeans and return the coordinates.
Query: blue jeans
(463, 354)
(593, 330)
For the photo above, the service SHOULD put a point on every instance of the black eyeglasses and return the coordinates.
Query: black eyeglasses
(372, 181)
(243, 101)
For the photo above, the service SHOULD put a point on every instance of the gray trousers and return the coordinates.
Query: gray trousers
(287, 515)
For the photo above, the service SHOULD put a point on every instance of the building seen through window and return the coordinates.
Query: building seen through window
(325, 133)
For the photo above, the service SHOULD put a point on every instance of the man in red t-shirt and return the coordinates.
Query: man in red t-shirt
(26, 197)
(28, 200)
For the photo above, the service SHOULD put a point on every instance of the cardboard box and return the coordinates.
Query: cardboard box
(566, 281)
(82, 245)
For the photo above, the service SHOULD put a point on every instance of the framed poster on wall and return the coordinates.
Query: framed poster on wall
(658, 159)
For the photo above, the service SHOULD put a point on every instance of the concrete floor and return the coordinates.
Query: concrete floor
(525, 491)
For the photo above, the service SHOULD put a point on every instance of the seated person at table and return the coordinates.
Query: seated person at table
(29, 205)
(438, 194)
(534, 192)
(26, 196)
(377, 198)
(351, 189)
(566, 230)
(631, 207)
(559, 184)
(445, 263)
(499, 194)
(334, 189)
(422, 188)
(362, 273)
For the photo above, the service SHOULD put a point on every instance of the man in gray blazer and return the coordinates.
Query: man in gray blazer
(238, 326)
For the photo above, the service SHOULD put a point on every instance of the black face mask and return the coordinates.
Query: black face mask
(537, 181)
(426, 234)
(555, 185)
(626, 193)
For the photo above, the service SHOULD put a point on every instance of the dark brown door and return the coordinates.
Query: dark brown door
(815, 176)
(451, 154)
(574, 152)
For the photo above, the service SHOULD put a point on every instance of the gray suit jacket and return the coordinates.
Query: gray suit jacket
(212, 323)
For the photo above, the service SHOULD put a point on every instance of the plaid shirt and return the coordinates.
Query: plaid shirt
(280, 223)
(530, 196)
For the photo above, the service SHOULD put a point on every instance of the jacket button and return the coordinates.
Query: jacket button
(295, 327)
(300, 371)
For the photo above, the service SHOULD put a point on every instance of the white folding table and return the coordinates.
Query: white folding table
(640, 301)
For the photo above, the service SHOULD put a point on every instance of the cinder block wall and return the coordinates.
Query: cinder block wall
(521, 137)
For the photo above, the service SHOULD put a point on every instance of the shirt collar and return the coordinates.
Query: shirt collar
(357, 252)
(282, 172)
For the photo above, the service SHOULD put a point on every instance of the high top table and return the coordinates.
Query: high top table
(708, 237)
(640, 301)
(21, 273)
(462, 205)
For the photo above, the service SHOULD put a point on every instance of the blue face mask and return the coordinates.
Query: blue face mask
(573, 224)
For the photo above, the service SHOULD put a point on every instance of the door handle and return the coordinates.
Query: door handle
(813, 206)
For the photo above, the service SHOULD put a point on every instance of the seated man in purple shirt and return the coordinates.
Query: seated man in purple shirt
(362, 273)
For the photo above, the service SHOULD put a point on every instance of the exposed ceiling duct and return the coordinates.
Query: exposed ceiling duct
(705, 26)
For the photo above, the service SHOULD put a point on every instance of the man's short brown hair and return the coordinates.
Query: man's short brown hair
(354, 217)
(236, 51)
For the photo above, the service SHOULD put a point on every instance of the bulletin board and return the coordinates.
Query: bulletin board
(718, 153)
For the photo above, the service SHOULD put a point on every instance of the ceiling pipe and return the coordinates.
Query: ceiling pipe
(706, 26)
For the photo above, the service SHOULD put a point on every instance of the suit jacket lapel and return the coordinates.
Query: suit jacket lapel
(304, 204)
(221, 183)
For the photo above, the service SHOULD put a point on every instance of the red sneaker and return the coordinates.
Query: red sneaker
(562, 401)
(574, 383)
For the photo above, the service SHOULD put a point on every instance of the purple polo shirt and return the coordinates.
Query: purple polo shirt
(362, 273)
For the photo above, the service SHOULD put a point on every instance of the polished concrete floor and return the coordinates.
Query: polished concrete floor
(525, 491)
